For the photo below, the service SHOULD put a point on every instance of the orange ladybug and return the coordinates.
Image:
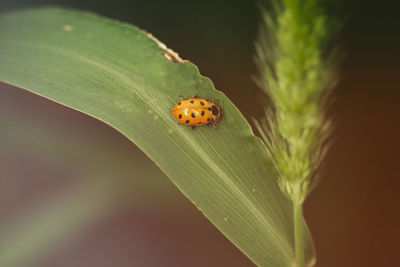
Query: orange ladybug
(196, 111)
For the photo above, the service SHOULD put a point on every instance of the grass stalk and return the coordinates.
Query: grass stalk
(299, 233)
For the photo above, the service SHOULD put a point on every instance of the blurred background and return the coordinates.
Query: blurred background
(74, 192)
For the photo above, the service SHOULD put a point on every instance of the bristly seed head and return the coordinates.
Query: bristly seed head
(297, 77)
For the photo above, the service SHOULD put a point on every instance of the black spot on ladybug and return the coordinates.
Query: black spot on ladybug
(215, 110)
(187, 121)
(202, 103)
(202, 113)
(180, 116)
(209, 109)
(179, 103)
(208, 119)
(191, 101)
(193, 115)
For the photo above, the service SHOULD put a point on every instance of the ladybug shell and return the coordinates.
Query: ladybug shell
(196, 111)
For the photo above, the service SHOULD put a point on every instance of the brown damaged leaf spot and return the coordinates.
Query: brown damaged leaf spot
(169, 54)
(170, 58)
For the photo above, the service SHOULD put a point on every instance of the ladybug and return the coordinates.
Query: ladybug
(196, 111)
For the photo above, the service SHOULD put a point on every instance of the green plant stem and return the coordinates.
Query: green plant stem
(299, 233)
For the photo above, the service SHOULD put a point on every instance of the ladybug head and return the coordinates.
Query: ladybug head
(215, 112)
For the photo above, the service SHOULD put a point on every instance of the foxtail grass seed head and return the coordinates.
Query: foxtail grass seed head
(295, 73)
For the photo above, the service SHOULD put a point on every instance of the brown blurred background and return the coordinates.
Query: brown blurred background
(61, 171)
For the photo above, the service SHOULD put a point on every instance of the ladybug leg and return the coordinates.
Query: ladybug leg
(214, 124)
(195, 96)
(193, 127)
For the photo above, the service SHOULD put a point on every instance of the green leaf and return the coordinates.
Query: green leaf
(116, 73)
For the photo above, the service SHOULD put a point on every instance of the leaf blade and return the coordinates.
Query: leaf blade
(117, 74)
